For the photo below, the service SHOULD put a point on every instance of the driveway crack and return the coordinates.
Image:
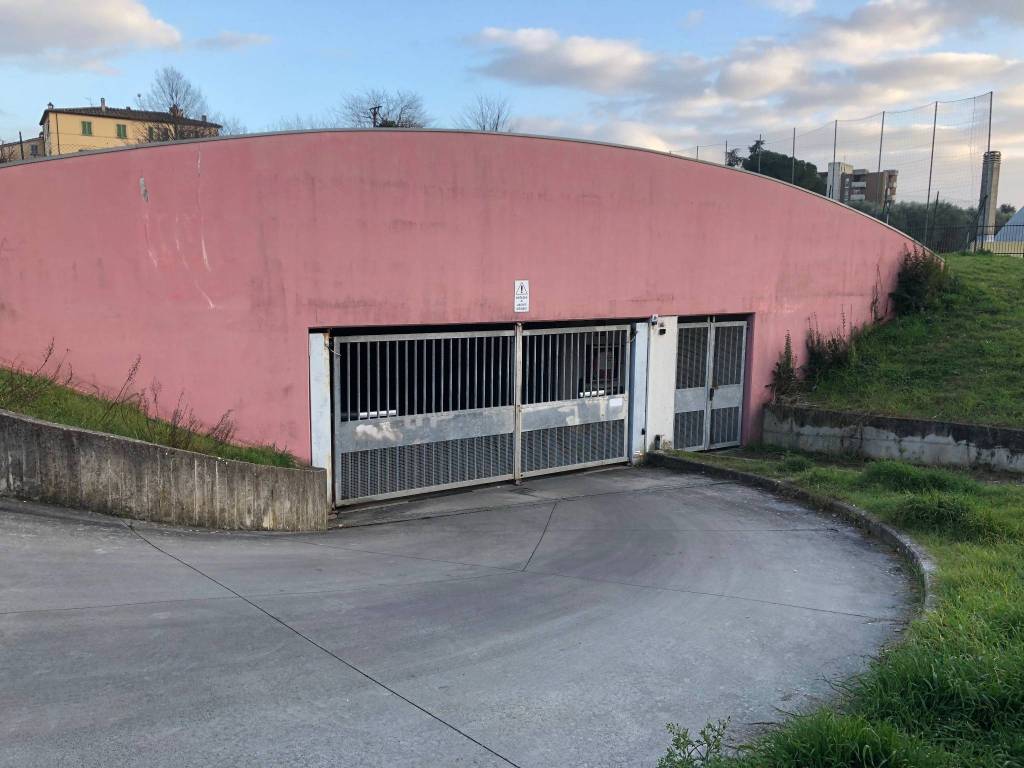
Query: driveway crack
(329, 652)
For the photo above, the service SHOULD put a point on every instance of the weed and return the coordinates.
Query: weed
(899, 476)
(785, 383)
(828, 352)
(795, 463)
(951, 514)
(50, 392)
(920, 283)
(705, 751)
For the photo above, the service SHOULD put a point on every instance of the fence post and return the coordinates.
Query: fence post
(727, 152)
(931, 165)
(881, 137)
(698, 152)
(793, 179)
(835, 140)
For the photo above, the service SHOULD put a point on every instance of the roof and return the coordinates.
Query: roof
(127, 113)
(1013, 230)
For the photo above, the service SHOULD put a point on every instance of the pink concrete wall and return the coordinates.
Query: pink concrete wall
(213, 259)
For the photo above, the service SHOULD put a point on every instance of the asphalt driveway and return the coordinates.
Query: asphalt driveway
(561, 623)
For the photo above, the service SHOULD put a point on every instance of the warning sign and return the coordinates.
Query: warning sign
(521, 302)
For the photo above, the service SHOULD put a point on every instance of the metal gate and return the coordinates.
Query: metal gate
(574, 398)
(422, 412)
(710, 360)
(430, 411)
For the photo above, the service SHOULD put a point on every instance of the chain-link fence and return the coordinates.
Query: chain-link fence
(918, 169)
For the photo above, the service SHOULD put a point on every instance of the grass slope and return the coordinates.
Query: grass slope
(44, 398)
(959, 362)
(952, 693)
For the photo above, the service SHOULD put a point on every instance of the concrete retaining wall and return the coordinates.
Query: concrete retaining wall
(78, 468)
(885, 437)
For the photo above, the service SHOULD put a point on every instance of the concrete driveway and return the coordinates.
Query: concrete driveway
(562, 623)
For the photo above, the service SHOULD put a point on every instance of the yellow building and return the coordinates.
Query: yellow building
(23, 149)
(75, 129)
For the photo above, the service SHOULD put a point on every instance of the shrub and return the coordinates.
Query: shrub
(920, 283)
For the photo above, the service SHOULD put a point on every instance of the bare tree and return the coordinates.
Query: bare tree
(172, 91)
(376, 108)
(299, 122)
(487, 113)
(174, 95)
(230, 125)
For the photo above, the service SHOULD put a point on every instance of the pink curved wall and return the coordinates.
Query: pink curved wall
(213, 259)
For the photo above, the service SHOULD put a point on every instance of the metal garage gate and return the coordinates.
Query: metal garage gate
(710, 359)
(424, 412)
(574, 397)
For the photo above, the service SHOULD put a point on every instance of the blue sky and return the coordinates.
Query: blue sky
(662, 74)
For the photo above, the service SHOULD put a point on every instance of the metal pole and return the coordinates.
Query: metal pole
(517, 406)
(793, 174)
(991, 99)
(881, 136)
(726, 151)
(760, 140)
(698, 151)
(931, 164)
(835, 140)
(21, 145)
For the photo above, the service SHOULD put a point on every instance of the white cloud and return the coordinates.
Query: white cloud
(78, 35)
(790, 7)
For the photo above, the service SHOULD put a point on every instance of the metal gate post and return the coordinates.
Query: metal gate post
(517, 400)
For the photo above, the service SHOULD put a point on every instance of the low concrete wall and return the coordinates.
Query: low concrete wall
(884, 437)
(72, 467)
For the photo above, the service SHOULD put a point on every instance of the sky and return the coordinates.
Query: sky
(652, 73)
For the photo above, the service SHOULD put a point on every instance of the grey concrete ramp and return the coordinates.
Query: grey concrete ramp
(563, 622)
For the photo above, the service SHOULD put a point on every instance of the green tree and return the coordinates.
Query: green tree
(780, 166)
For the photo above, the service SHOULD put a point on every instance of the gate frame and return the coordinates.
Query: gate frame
(709, 400)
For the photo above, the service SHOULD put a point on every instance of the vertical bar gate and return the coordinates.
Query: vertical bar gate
(423, 412)
(575, 398)
(710, 362)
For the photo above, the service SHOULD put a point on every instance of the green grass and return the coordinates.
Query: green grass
(952, 692)
(45, 397)
(957, 362)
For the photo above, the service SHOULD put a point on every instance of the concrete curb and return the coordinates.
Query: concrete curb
(913, 553)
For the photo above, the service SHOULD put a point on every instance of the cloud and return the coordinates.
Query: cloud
(692, 19)
(79, 35)
(790, 7)
(880, 54)
(227, 41)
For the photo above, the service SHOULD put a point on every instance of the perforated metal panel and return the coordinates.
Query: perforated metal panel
(564, 447)
(386, 471)
(710, 361)
(688, 430)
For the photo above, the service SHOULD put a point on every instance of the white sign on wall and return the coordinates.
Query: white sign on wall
(521, 302)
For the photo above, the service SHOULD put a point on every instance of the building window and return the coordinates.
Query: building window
(87, 128)
(34, 150)
(122, 131)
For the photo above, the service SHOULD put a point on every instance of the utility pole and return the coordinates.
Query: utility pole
(375, 114)
(21, 145)
(760, 141)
